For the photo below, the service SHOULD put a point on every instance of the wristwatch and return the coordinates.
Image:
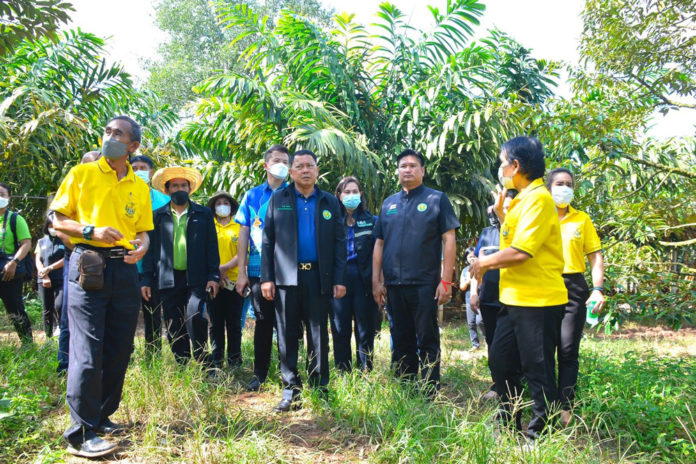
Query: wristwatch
(599, 289)
(87, 232)
(14, 258)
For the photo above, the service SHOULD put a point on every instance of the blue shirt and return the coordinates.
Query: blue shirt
(350, 244)
(307, 238)
(158, 199)
(252, 214)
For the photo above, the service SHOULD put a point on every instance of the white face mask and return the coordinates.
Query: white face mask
(505, 181)
(4, 202)
(51, 231)
(562, 195)
(144, 175)
(222, 210)
(279, 171)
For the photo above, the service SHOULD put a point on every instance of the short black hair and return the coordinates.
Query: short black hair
(303, 153)
(552, 174)
(280, 148)
(143, 159)
(136, 132)
(529, 153)
(469, 250)
(410, 152)
(6, 187)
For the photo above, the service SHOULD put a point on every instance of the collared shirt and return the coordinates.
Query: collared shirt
(350, 244)
(411, 225)
(180, 222)
(158, 199)
(227, 236)
(579, 239)
(92, 194)
(252, 214)
(531, 226)
(306, 234)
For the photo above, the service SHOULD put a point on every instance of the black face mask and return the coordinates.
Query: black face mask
(180, 197)
(493, 220)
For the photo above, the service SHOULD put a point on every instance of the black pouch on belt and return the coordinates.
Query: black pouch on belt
(91, 266)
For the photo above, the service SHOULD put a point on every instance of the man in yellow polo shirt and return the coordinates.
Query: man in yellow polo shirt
(105, 209)
(532, 291)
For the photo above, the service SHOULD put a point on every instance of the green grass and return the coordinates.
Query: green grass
(636, 403)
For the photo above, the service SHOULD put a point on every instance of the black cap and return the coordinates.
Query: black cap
(143, 159)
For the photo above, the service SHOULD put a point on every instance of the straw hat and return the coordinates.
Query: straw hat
(164, 175)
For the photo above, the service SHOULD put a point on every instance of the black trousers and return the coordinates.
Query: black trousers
(183, 315)
(489, 314)
(102, 328)
(572, 323)
(525, 340)
(11, 296)
(264, 311)
(64, 338)
(152, 316)
(415, 332)
(52, 302)
(303, 304)
(356, 305)
(226, 316)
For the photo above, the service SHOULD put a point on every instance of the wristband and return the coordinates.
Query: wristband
(599, 289)
(445, 284)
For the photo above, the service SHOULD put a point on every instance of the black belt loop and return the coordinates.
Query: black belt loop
(306, 266)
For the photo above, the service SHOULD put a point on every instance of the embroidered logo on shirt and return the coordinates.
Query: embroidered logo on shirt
(364, 223)
(285, 208)
(327, 214)
(391, 210)
(130, 206)
(421, 207)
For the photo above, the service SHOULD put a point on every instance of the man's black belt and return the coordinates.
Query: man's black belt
(107, 252)
(306, 266)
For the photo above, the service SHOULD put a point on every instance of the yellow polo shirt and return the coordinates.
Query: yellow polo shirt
(531, 226)
(227, 236)
(579, 239)
(91, 194)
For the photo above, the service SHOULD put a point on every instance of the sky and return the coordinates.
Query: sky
(550, 28)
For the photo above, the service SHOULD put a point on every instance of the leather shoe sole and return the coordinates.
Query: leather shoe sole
(286, 405)
(92, 448)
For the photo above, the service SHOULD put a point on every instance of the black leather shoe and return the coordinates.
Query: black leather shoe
(109, 428)
(92, 448)
(286, 405)
(254, 385)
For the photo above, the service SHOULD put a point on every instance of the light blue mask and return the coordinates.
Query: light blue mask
(144, 175)
(113, 149)
(351, 200)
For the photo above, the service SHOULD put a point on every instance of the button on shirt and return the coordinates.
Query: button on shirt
(252, 214)
(179, 239)
(307, 237)
(411, 225)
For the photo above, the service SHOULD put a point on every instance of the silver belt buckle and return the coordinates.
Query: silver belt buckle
(116, 253)
(305, 266)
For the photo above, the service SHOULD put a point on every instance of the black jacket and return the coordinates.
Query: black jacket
(280, 243)
(202, 257)
(364, 244)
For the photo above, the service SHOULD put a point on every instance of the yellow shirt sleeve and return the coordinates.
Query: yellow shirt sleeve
(533, 226)
(65, 201)
(592, 243)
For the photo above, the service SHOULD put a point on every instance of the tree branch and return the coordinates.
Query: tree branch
(662, 167)
(666, 100)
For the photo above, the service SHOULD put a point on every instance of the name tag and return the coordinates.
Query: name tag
(285, 208)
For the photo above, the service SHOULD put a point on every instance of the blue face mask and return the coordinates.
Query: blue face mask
(113, 149)
(351, 200)
(144, 175)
